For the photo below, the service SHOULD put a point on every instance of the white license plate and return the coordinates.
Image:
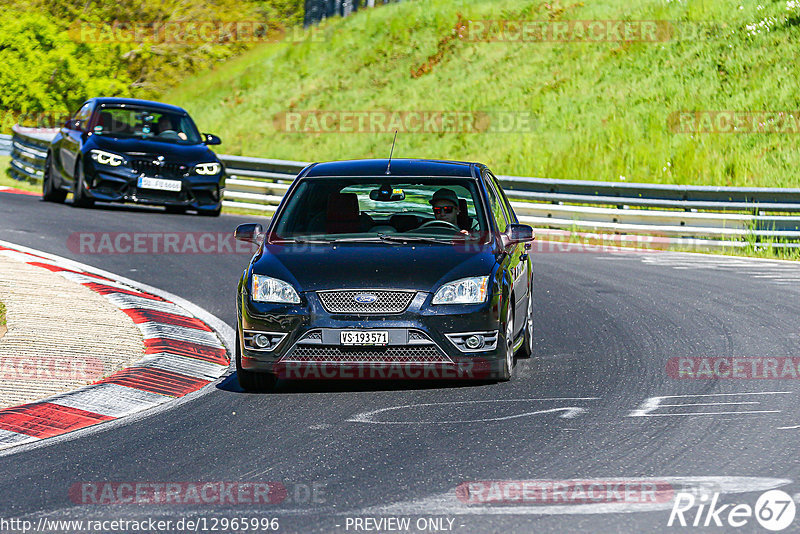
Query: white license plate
(159, 183)
(365, 337)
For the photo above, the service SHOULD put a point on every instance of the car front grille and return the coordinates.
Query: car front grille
(393, 354)
(346, 301)
(149, 168)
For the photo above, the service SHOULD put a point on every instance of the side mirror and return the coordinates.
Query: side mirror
(69, 125)
(211, 139)
(517, 233)
(251, 232)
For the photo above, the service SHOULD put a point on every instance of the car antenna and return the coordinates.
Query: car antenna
(389, 165)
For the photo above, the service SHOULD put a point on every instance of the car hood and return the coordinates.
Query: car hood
(423, 267)
(188, 153)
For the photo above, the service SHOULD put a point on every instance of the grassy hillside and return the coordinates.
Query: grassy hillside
(601, 108)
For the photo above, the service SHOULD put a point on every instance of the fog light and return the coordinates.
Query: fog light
(474, 342)
(261, 341)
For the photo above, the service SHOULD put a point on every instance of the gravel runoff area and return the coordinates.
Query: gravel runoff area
(61, 335)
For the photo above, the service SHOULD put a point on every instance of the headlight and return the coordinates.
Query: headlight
(107, 158)
(207, 169)
(465, 291)
(266, 289)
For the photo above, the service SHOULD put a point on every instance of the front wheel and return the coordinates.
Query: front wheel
(210, 213)
(50, 193)
(80, 197)
(250, 381)
(507, 371)
(526, 351)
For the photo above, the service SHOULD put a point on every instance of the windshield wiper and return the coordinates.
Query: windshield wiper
(378, 238)
(416, 239)
(372, 239)
(305, 241)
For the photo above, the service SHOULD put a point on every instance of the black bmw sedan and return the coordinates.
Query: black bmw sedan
(409, 269)
(127, 150)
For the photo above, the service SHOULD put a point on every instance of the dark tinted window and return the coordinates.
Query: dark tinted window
(496, 206)
(80, 121)
(509, 212)
(325, 207)
(155, 124)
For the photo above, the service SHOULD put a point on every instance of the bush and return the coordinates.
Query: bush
(45, 67)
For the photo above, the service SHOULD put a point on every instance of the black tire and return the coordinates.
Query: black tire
(250, 381)
(210, 213)
(526, 350)
(50, 193)
(79, 197)
(176, 209)
(507, 365)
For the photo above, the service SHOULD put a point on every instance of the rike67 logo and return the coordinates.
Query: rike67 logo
(774, 510)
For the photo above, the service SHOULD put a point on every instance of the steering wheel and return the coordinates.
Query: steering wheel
(437, 222)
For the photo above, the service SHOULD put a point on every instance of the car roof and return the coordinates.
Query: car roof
(399, 167)
(137, 102)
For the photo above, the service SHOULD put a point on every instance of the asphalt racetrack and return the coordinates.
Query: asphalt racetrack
(595, 403)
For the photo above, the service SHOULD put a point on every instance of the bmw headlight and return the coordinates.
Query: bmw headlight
(207, 169)
(107, 158)
(267, 289)
(472, 290)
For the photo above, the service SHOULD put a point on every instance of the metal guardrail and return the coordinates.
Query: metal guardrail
(5, 145)
(701, 216)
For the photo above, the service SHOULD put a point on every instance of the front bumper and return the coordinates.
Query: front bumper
(200, 193)
(308, 344)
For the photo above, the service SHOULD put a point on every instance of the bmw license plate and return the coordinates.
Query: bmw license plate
(364, 337)
(159, 183)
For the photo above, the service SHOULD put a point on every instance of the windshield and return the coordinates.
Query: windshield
(336, 209)
(146, 123)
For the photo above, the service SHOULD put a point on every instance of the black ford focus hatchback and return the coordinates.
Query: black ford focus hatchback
(409, 269)
(128, 150)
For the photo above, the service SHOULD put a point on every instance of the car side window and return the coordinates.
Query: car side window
(496, 205)
(510, 216)
(81, 119)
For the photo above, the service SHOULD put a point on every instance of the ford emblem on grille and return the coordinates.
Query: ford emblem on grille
(365, 298)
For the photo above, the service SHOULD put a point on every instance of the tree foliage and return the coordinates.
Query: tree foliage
(47, 66)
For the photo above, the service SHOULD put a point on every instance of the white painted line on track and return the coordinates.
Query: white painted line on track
(652, 404)
(567, 412)
(778, 272)
(705, 404)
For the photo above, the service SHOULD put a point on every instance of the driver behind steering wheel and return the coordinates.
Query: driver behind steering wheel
(445, 207)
